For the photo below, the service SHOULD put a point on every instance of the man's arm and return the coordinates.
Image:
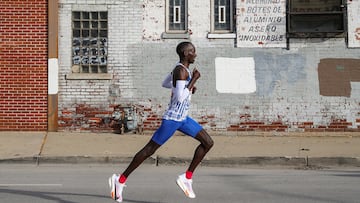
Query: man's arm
(167, 83)
(179, 73)
(181, 92)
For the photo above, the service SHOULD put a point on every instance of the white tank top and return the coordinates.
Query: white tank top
(178, 111)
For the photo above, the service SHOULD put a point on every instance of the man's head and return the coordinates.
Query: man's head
(186, 50)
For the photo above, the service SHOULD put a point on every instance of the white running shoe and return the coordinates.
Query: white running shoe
(186, 185)
(116, 188)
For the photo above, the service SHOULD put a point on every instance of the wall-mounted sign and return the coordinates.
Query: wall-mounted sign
(353, 23)
(261, 23)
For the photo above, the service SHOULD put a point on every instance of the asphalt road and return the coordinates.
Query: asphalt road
(88, 183)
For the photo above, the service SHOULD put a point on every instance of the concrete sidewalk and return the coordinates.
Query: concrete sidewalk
(281, 149)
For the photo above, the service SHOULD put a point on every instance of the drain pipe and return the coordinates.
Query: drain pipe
(53, 66)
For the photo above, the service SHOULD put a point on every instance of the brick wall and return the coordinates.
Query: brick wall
(23, 66)
(287, 96)
(87, 104)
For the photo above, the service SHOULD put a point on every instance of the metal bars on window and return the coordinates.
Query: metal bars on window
(316, 18)
(89, 42)
(222, 15)
(177, 15)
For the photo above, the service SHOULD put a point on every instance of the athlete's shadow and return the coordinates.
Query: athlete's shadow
(135, 201)
(54, 196)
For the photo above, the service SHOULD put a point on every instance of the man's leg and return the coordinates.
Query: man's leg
(117, 183)
(206, 144)
(185, 180)
(161, 135)
(148, 150)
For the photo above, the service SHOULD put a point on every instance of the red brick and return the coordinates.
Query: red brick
(251, 123)
(23, 74)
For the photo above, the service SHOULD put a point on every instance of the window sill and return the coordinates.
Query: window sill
(88, 76)
(340, 34)
(166, 35)
(221, 36)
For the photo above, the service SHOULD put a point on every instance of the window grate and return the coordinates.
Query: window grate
(177, 15)
(316, 18)
(223, 15)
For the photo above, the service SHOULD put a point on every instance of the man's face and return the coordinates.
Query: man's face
(191, 55)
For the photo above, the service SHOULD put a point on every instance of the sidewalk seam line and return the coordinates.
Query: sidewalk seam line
(41, 148)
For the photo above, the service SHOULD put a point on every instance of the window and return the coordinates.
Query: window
(89, 42)
(316, 18)
(177, 16)
(222, 15)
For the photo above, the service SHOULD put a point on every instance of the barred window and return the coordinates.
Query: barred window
(89, 42)
(222, 15)
(177, 16)
(316, 18)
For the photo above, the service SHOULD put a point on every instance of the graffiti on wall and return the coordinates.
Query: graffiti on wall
(336, 75)
(261, 23)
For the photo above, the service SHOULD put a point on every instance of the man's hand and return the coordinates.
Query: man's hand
(194, 78)
(193, 90)
(196, 74)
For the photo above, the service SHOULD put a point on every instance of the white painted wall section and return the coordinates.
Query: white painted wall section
(53, 78)
(235, 75)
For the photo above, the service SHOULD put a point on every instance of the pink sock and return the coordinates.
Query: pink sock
(122, 179)
(188, 174)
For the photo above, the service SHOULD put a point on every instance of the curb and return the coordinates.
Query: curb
(297, 162)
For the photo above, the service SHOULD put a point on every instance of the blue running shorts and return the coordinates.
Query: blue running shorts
(168, 127)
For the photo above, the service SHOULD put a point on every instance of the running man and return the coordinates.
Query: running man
(182, 84)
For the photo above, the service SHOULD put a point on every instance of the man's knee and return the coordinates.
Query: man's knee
(206, 140)
(209, 143)
(149, 149)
